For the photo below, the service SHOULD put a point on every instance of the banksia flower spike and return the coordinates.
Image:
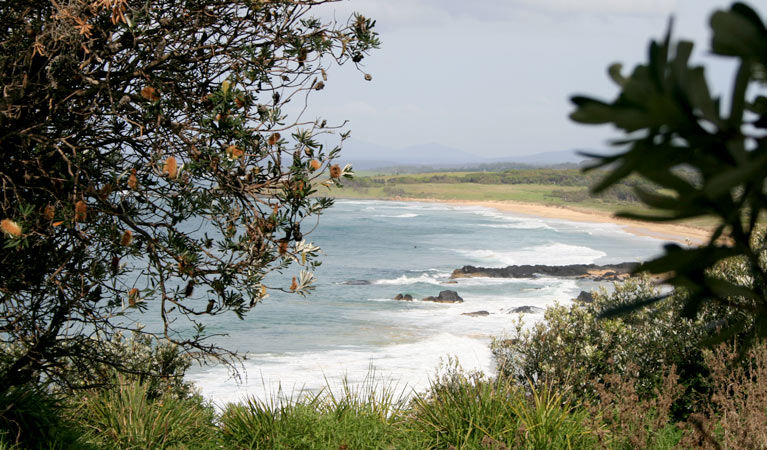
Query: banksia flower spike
(10, 227)
(171, 167)
(315, 165)
(81, 211)
(335, 171)
(133, 297)
(126, 238)
(49, 212)
(150, 93)
(234, 152)
(133, 180)
(294, 285)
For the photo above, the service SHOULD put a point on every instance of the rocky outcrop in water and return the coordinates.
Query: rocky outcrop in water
(609, 272)
(476, 314)
(356, 283)
(445, 297)
(524, 310)
(585, 297)
(404, 297)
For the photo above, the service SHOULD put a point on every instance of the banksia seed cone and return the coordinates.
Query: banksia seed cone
(189, 288)
(150, 93)
(283, 246)
(171, 167)
(335, 171)
(273, 139)
(126, 238)
(49, 212)
(10, 227)
(133, 180)
(81, 211)
(315, 165)
(293, 285)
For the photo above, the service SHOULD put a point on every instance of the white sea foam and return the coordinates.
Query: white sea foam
(520, 225)
(551, 254)
(399, 216)
(405, 280)
(408, 365)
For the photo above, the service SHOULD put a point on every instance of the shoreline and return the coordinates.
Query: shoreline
(683, 234)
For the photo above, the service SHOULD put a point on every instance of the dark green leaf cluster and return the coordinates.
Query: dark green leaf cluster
(671, 120)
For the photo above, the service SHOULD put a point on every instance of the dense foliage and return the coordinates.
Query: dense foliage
(573, 349)
(671, 120)
(149, 164)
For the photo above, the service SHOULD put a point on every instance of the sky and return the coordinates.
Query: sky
(494, 77)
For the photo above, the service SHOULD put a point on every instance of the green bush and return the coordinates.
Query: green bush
(572, 348)
(157, 364)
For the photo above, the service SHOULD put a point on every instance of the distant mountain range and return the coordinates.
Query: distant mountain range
(367, 156)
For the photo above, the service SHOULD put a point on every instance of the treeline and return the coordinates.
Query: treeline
(623, 191)
(558, 177)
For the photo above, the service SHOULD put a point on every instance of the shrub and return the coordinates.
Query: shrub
(573, 348)
(160, 365)
(629, 421)
(735, 417)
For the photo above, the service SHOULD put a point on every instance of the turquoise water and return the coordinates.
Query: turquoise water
(374, 250)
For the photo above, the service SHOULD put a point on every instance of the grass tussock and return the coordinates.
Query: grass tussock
(126, 417)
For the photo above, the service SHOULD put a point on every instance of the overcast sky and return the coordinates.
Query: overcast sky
(494, 77)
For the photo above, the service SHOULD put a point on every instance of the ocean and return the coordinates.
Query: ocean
(373, 250)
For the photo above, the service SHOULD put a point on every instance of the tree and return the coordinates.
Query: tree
(149, 166)
(672, 121)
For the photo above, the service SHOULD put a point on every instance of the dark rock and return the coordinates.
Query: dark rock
(591, 271)
(404, 297)
(445, 297)
(356, 283)
(585, 297)
(476, 314)
(525, 310)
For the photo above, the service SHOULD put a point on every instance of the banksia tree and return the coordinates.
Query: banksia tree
(147, 150)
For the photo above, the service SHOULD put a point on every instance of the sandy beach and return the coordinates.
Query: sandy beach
(684, 234)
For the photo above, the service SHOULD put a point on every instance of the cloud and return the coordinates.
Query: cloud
(406, 109)
(356, 108)
(395, 14)
(627, 7)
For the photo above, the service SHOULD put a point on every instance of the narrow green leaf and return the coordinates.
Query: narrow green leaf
(727, 180)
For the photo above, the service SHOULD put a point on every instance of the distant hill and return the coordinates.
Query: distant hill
(367, 156)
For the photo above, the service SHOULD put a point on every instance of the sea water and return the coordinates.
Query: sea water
(372, 251)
